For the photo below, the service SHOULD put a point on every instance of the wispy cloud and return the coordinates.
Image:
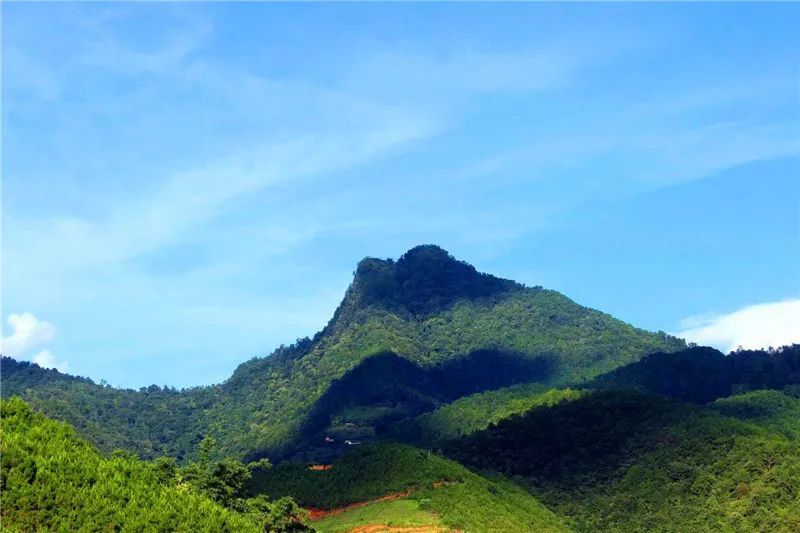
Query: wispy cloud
(756, 326)
(455, 77)
(306, 131)
(170, 165)
(269, 133)
(649, 144)
(189, 198)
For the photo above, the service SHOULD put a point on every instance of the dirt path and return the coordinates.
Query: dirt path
(316, 514)
(381, 528)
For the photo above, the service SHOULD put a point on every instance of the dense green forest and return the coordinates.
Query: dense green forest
(702, 374)
(460, 499)
(475, 412)
(427, 308)
(775, 410)
(52, 480)
(697, 375)
(150, 422)
(622, 460)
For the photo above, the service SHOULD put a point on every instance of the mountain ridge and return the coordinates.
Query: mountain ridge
(422, 281)
(427, 308)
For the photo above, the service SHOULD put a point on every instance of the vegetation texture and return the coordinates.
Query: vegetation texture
(623, 461)
(52, 480)
(460, 498)
(397, 513)
(475, 412)
(702, 374)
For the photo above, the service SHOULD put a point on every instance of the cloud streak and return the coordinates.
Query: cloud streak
(196, 168)
(756, 326)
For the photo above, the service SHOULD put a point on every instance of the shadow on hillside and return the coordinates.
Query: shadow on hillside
(583, 442)
(702, 374)
(385, 388)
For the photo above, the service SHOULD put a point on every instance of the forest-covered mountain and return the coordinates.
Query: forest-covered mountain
(447, 329)
(436, 399)
(585, 460)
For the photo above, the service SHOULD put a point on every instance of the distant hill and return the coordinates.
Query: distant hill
(151, 422)
(619, 460)
(447, 329)
(702, 374)
(698, 375)
(777, 411)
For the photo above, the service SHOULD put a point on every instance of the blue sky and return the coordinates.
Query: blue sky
(186, 186)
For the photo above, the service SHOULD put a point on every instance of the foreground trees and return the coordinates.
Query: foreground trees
(50, 479)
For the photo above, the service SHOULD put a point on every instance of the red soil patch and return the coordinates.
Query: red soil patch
(316, 514)
(381, 528)
(320, 467)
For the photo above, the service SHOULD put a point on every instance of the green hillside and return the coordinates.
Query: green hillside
(397, 513)
(476, 411)
(777, 411)
(151, 422)
(428, 483)
(438, 315)
(703, 374)
(623, 461)
(52, 480)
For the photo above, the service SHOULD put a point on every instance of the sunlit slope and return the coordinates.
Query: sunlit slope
(475, 412)
(396, 514)
(774, 410)
(52, 480)
(458, 498)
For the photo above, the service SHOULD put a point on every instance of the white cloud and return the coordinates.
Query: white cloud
(46, 359)
(27, 332)
(755, 326)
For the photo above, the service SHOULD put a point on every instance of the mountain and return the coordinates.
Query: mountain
(431, 326)
(437, 398)
(623, 452)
